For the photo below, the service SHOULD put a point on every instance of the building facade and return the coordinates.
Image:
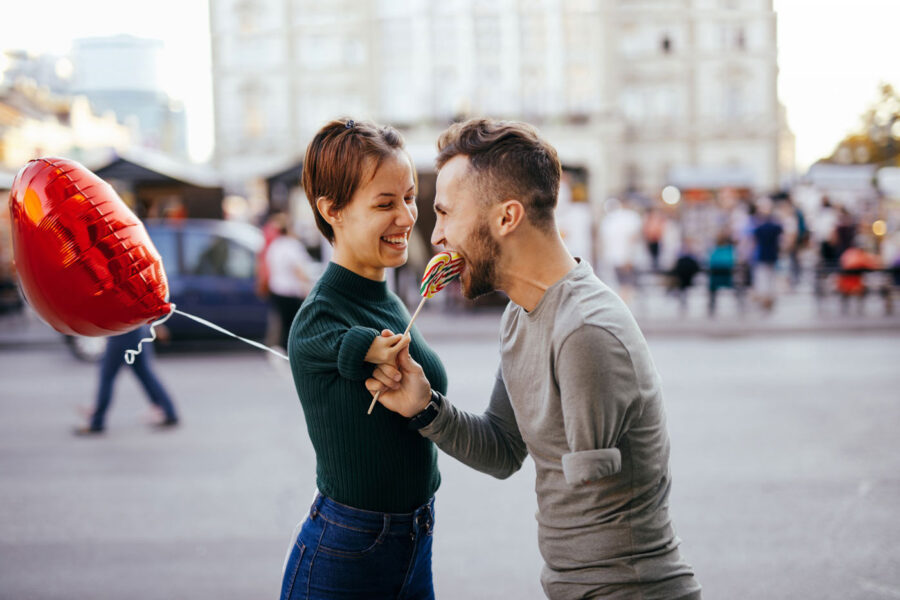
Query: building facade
(637, 94)
(121, 75)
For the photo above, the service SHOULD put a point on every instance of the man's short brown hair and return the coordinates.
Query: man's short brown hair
(340, 157)
(509, 159)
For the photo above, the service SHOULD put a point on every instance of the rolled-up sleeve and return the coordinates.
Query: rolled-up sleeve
(599, 396)
(323, 341)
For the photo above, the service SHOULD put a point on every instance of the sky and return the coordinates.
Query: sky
(832, 56)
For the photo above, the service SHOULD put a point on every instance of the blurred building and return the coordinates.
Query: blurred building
(633, 93)
(36, 122)
(121, 74)
(697, 90)
(50, 71)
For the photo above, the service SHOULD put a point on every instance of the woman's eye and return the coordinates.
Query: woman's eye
(410, 199)
(385, 205)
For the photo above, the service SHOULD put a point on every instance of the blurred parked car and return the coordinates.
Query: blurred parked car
(211, 269)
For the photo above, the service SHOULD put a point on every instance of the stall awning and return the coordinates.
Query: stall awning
(710, 178)
(828, 176)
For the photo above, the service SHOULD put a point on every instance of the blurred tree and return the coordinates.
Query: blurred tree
(878, 139)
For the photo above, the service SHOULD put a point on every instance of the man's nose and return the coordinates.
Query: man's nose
(437, 236)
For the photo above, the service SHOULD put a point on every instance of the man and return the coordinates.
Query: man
(576, 387)
(767, 235)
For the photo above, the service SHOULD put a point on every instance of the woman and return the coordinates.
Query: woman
(368, 533)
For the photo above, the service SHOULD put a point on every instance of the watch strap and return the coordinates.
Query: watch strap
(427, 414)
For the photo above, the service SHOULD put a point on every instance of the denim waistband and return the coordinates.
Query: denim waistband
(366, 520)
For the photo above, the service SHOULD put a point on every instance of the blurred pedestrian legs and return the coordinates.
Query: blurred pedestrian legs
(112, 361)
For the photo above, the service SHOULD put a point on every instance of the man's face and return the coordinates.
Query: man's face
(462, 226)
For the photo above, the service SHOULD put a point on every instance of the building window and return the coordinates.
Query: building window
(254, 118)
(247, 12)
(733, 106)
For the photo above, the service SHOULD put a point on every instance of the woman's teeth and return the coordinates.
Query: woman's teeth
(394, 239)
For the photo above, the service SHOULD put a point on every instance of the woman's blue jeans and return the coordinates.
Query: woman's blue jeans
(343, 552)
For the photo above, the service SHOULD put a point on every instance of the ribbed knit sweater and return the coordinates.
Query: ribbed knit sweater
(372, 462)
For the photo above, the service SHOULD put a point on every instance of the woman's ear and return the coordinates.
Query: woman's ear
(325, 206)
(510, 216)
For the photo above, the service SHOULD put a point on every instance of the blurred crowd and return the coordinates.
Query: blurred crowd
(754, 249)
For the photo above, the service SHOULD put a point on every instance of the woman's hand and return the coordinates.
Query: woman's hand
(385, 347)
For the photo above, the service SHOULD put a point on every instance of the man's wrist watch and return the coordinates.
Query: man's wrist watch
(427, 415)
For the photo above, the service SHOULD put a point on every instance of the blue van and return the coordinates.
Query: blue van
(211, 269)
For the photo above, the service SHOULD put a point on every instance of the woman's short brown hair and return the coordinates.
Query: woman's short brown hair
(340, 156)
(509, 159)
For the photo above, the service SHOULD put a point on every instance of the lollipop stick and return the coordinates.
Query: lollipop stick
(408, 327)
(415, 314)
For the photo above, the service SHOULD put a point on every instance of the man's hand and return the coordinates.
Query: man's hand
(404, 389)
(384, 348)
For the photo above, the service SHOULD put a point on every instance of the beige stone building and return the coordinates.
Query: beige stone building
(635, 94)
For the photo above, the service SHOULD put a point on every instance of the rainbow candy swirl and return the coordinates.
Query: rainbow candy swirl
(441, 270)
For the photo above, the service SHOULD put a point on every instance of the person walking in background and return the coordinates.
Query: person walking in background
(767, 235)
(844, 232)
(798, 242)
(683, 273)
(851, 281)
(112, 361)
(621, 231)
(289, 275)
(743, 225)
(722, 263)
(654, 228)
(823, 232)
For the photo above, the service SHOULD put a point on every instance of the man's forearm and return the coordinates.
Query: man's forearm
(490, 443)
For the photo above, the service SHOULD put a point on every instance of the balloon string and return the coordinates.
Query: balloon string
(130, 354)
(225, 331)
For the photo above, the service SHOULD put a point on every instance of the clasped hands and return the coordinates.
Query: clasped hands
(400, 379)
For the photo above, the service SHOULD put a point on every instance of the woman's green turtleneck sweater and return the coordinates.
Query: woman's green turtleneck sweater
(372, 462)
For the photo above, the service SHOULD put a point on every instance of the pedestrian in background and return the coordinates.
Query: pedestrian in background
(683, 273)
(621, 231)
(113, 359)
(722, 264)
(767, 235)
(289, 275)
(654, 228)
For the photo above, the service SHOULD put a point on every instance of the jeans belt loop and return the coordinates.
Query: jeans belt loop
(315, 508)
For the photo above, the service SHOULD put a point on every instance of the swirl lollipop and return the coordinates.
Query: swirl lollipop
(443, 268)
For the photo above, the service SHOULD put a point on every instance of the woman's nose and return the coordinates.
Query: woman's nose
(407, 215)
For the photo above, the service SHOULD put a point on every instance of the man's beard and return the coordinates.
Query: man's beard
(482, 254)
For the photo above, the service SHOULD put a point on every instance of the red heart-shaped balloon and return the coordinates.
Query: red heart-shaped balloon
(85, 262)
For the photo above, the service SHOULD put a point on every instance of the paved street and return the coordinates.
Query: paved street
(786, 477)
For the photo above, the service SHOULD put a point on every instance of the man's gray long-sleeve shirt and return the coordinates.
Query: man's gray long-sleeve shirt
(578, 391)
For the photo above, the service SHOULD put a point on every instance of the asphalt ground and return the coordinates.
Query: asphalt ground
(785, 472)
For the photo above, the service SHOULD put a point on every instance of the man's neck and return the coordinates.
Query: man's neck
(531, 265)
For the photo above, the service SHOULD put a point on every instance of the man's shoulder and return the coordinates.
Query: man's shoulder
(590, 304)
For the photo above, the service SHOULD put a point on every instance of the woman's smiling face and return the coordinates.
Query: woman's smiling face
(372, 231)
